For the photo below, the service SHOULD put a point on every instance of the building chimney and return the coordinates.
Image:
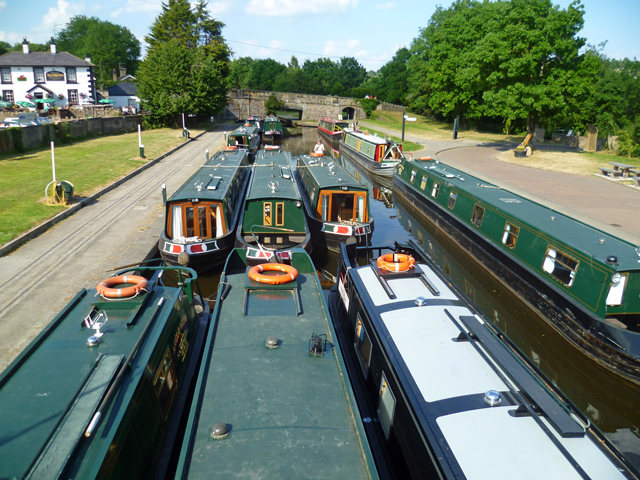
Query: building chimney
(25, 46)
(123, 71)
(115, 75)
(53, 45)
(87, 58)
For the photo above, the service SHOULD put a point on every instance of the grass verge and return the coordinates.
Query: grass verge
(89, 165)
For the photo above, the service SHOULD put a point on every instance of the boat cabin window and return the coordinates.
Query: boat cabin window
(386, 405)
(362, 344)
(423, 184)
(477, 216)
(337, 206)
(616, 291)
(413, 175)
(266, 218)
(510, 235)
(452, 200)
(279, 214)
(239, 141)
(560, 265)
(435, 190)
(165, 383)
(199, 220)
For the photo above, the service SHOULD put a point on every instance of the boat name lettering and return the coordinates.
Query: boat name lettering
(183, 348)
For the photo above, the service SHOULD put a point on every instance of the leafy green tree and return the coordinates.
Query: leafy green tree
(393, 84)
(350, 72)
(33, 47)
(110, 46)
(322, 73)
(187, 64)
(4, 48)
(272, 104)
(240, 73)
(264, 73)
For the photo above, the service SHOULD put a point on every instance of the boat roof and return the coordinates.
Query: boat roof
(367, 137)
(329, 174)
(333, 120)
(273, 167)
(449, 363)
(49, 393)
(550, 224)
(271, 118)
(243, 131)
(213, 179)
(291, 413)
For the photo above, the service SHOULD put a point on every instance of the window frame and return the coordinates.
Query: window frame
(216, 207)
(73, 97)
(75, 74)
(451, 202)
(280, 213)
(508, 233)
(37, 71)
(385, 388)
(3, 72)
(435, 190)
(475, 218)
(562, 262)
(6, 94)
(359, 342)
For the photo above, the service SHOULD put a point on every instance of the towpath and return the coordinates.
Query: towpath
(605, 204)
(119, 228)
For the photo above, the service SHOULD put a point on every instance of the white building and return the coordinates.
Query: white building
(28, 76)
(124, 95)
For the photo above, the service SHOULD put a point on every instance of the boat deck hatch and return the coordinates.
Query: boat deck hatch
(277, 292)
(558, 416)
(383, 276)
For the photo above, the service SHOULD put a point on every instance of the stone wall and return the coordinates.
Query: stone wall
(390, 107)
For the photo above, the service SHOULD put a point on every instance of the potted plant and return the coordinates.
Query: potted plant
(60, 96)
(28, 96)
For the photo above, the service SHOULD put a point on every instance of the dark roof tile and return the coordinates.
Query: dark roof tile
(42, 59)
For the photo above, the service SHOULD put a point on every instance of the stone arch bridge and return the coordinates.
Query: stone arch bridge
(245, 103)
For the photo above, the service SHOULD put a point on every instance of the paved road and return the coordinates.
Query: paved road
(118, 229)
(605, 204)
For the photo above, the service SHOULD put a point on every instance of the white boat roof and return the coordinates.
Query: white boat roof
(369, 137)
(487, 442)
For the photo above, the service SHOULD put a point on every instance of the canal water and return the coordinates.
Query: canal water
(611, 402)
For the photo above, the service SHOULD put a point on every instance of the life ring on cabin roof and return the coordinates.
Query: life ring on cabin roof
(396, 262)
(316, 154)
(105, 287)
(230, 147)
(290, 273)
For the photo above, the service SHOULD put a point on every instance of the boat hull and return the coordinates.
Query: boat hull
(333, 139)
(203, 256)
(584, 330)
(385, 169)
(331, 235)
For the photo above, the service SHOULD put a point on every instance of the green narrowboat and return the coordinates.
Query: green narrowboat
(336, 205)
(255, 121)
(331, 130)
(101, 391)
(583, 281)
(272, 398)
(378, 155)
(273, 216)
(272, 128)
(246, 138)
(203, 214)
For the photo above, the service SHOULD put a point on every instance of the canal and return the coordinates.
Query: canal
(611, 402)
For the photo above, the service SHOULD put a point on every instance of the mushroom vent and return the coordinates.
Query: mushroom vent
(317, 344)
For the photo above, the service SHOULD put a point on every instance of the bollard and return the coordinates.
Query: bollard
(225, 136)
(141, 151)
(207, 154)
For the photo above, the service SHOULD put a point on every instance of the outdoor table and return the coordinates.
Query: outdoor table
(623, 167)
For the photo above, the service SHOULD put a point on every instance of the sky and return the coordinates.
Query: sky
(369, 30)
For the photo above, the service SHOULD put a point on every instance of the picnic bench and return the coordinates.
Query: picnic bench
(636, 181)
(635, 171)
(610, 172)
(622, 167)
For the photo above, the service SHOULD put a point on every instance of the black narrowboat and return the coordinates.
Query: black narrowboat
(446, 394)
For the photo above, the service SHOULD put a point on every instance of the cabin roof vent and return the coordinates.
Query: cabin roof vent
(272, 342)
(219, 431)
(602, 241)
(492, 398)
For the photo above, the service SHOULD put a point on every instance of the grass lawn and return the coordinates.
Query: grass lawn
(406, 146)
(88, 164)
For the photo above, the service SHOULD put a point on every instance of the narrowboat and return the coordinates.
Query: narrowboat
(202, 216)
(255, 121)
(273, 216)
(449, 396)
(336, 205)
(272, 399)
(581, 280)
(331, 130)
(379, 156)
(101, 391)
(272, 128)
(246, 139)
(379, 187)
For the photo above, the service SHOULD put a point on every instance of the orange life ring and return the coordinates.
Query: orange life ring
(315, 154)
(105, 287)
(230, 147)
(396, 262)
(247, 124)
(424, 159)
(290, 273)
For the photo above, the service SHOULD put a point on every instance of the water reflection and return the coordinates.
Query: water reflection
(609, 401)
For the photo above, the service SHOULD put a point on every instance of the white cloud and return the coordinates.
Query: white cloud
(341, 48)
(3, 4)
(294, 8)
(55, 20)
(218, 8)
(10, 37)
(385, 6)
(139, 6)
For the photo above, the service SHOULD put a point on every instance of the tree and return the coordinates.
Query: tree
(322, 73)
(4, 48)
(393, 84)
(187, 64)
(272, 104)
(110, 46)
(350, 73)
(240, 73)
(264, 73)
